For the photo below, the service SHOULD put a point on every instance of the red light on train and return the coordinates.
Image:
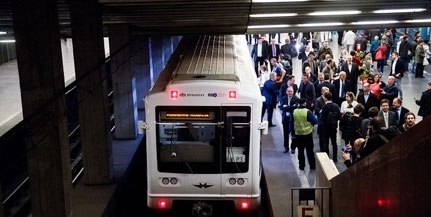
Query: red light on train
(163, 204)
(245, 205)
(174, 94)
(232, 94)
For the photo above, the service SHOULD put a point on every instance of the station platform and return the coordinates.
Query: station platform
(282, 169)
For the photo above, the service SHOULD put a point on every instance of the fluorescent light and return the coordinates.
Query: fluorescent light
(419, 21)
(275, 1)
(406, 10)
(7, 41)
(329, 13)
(319, 24)
(268, 26)
(274, 15)
(3, 33)
(375, 22)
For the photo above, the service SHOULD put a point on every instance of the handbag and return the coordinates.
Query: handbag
(379, 55)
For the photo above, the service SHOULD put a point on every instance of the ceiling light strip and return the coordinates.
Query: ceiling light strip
(331, 13)
(277, 1)
(274, 15)
(268, 26)
(404, 10)
(320, 24)
(374, 22)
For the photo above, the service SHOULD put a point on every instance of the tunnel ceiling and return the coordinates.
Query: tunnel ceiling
(180, 17)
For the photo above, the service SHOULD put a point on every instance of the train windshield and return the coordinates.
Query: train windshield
(203, 139)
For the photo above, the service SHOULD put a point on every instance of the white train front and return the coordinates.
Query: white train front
(203, 127)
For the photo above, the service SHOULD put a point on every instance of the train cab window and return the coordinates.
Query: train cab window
(203, 139)
(187, 138)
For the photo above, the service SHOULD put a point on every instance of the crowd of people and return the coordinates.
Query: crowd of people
(328, 95)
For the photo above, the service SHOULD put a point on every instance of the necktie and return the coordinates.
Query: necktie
(365, 98)
(343, 90)
(399, 114)
(385, 114)
(273, 50)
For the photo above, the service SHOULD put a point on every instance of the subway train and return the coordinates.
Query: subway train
(203, 128)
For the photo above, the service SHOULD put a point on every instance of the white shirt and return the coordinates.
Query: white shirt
(344, 105)
(264, 76)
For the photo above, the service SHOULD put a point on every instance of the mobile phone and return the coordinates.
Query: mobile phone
(344, 149)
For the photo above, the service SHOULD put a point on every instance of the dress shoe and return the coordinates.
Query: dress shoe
(301, 168)
(292, 152)
(285, 151)
(272, 125)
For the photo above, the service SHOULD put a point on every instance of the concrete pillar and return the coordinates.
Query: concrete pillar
(123, 82)
(40, 69)
(157, 61)
(141, 70)
(88, 51)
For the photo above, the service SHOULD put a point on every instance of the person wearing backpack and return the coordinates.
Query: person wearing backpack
(330, 115)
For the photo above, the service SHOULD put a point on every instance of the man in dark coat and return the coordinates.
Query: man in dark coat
(425, 102)
(367, 99)
(390, 91)
(397, 70)
(288, 103)
(270, 93)
(340, 92)
(400, 111)
(306, 91)
(352, 73)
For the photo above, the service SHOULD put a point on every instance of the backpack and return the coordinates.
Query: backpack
(333, 118)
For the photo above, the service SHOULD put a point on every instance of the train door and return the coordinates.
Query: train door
(235, 156)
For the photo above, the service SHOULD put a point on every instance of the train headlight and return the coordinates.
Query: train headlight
(232, 181)
(240, 181)
(162, 204)
(174, 181)
(165, 181)
(244, 205)
(232, 94)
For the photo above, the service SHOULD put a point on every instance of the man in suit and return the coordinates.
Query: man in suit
(303, 54)
(273, 50)
(397, 70)
(270, 94)
(352, 73)
(306, 91)
(342, 85)
(259, 53)
(368, 99)
(288, 50)
(288, 103)
(326, 83)
(290, 83)
(399, 110)
(390, 91)
(313, 65)
(388, 116)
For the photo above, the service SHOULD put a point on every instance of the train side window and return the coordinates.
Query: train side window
(237, 125)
